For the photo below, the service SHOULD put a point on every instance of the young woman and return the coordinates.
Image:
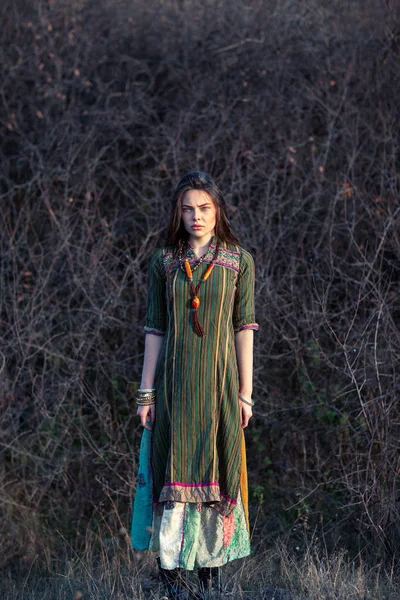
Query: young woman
(195, 395)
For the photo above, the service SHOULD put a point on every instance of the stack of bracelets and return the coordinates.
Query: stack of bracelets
(145, 397)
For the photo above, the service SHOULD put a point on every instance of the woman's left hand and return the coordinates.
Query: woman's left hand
(246, 412)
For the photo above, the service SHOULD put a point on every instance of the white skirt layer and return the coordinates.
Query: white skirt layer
(191, 536)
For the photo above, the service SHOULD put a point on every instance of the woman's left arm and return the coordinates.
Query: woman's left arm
(244, 355)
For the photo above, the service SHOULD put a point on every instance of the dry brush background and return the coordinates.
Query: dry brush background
(293, 107)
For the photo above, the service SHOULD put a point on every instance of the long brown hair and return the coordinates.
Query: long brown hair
(197, 180)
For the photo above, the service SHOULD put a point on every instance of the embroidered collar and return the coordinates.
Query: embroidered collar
(228, 256)
(210, 252)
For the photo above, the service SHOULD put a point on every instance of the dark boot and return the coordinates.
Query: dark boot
(174, 584)
(209, 579)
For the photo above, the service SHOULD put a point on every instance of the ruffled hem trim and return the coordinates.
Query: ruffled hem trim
(197, 493)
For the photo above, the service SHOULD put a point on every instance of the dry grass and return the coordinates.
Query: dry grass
(115, 572)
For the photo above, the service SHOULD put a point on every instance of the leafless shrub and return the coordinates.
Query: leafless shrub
(293, 107)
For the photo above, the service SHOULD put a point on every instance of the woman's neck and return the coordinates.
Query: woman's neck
(200, 245)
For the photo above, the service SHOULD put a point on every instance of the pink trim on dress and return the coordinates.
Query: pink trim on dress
(153, 331)
(254, 326)
(191, 484)
(228, 499)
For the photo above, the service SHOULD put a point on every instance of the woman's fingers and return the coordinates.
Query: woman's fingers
(147, 414)
(245, 413)
(153, 413)
(144, 418)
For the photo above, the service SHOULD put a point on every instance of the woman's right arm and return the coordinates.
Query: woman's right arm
(152, 350)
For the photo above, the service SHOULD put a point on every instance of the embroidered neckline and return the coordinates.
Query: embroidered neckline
(190, 251)
(228, 257)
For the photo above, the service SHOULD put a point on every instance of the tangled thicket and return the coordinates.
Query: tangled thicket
(293, 108)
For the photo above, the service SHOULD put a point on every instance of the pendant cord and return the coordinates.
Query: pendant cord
(194, 289)
(196, 321)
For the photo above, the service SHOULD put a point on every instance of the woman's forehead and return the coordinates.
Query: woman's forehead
(196, 198)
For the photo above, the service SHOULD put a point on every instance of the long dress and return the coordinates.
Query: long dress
(191, 499)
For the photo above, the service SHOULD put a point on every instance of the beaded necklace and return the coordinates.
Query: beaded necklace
(194, 289)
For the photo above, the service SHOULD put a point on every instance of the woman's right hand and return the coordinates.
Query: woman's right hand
(147, 415)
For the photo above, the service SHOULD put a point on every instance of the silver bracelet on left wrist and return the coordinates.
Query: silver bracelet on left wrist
(245, 400)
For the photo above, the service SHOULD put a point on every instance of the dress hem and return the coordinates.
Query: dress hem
(198, 493)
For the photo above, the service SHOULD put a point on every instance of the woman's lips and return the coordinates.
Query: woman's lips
(197, 226)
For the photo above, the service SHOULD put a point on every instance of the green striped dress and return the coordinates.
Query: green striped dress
(196, 449)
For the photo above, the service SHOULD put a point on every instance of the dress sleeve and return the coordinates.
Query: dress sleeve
(243, 308)
(156, 316)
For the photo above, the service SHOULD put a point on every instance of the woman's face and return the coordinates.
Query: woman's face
(199, 214)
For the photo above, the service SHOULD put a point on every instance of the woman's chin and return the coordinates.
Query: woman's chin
(200, 233)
